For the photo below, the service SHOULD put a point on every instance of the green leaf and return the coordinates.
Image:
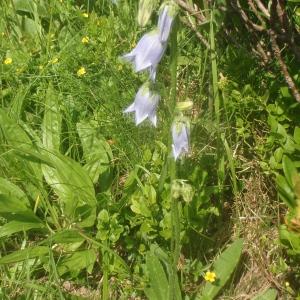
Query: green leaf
(159, 287)
(223, 267)
(74, 188)
(31, 7)
(269, 294)
(11, 204)
(70, 182)
(29, 26)
(290, 239)
(12, 191)
(16, 137)
(76, 262)
(24, 254)
(289, 170)
(17, 104)
(21, 222)
(297, 133)
(65, 236)
(96, 151)
(51, 127)
(13, 136)
(285, 191)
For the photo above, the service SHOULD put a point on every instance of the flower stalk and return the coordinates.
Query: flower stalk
(175, 220)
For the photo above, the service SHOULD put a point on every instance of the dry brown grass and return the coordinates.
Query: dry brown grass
(256, 219)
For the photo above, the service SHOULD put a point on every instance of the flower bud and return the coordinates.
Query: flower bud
(146, 8)
(185, 105)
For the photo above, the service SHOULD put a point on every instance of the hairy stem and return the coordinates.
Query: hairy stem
(175, 240)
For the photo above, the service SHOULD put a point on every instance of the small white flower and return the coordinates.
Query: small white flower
(147, 53)
(180, 135)
(144, 105)
(165, 21)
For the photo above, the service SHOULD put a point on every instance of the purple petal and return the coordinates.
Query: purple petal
(180, 135)
(165, 23)
(144, 105)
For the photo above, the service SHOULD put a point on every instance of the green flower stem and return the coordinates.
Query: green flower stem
(175, 220)
(105, 264)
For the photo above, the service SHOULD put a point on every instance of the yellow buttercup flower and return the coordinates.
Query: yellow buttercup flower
(81, 72)
(8, 61)
(54, 61)
(85, 15)
(85, 40)
(210, 276)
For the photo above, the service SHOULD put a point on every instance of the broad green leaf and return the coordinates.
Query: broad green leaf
(9, 189)
(290, 239)
(285, 191)
(29, 26)
(16, 105)
(96, 151)
(76, 262)
(31, 7)
(70, 182)
(297, 132)
(21, 223)
(289, 170)
(163, 257)
(11, 204)
(51, 127)
(159, 286)
(224, 266)
(269, 294)
(28, 253)
(73, 186)
(12, 137)
(65, 236)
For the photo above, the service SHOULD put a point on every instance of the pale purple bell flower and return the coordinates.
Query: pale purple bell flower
(165, 21)
(144, 105)
(147, 53)
(180, 135)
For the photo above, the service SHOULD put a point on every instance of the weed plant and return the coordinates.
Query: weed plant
(87, 198)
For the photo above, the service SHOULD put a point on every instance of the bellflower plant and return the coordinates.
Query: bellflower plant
(144, 105)
(147, 53)
(180, 136)
(165, 21)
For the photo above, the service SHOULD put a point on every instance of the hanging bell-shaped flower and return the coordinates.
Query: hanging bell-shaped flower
(147, 53)
(165, 20)
(180, 136)
(144, 105)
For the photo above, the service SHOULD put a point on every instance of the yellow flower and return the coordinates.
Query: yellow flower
(8, 61)
(54, 61)
(210, 276)
(81, 72)
(85, 40)
(85, 15)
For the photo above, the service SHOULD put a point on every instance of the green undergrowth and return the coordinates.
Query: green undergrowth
(85, 208)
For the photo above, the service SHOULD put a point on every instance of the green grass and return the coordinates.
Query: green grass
(88, 200)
